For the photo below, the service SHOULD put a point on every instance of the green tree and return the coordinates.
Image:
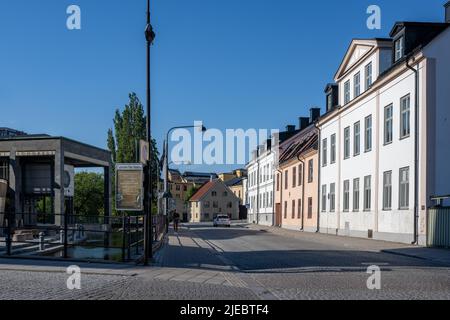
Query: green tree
(88, 199)
(191, 191)
(129, 129)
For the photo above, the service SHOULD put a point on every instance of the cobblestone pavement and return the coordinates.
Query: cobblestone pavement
(205, 263)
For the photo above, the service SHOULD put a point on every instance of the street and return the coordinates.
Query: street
(242, 262)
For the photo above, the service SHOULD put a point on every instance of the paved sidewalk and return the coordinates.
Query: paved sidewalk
(441, 256)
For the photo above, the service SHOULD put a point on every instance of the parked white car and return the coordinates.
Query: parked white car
(222, 220)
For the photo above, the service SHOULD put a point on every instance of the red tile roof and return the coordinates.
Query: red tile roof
(202, 191)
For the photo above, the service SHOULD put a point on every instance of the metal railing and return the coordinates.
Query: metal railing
(83, 237)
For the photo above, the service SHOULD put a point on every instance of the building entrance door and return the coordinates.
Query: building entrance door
(278, 215)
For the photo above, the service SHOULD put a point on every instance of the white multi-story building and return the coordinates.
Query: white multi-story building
(385, 140)
(260, 185)
(260, 180)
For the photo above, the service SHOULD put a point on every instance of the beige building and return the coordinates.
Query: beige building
(212, 199)
(234, 181)
(296, 186)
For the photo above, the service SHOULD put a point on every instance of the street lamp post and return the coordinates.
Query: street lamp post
(166, 169)
(148, 186)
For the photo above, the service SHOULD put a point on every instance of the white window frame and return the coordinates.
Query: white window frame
(367, 193)
(404, 186)
(357, 139)
(357, 85)
(346, 194)
(368, 123)
(387, 190)
(356, 191)
(405, 117)
(347, 97)
(346, 143)
(388, 124)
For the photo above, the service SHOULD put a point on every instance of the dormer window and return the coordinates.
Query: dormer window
(399, 48)
(329, 101)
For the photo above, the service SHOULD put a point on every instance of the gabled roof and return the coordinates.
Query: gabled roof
(202, 191)
(233, 182)
(300, 143)
(357, 51)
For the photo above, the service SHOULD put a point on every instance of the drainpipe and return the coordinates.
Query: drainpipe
(303, 192)
(319, 166)
(416, 152)
(281, 194)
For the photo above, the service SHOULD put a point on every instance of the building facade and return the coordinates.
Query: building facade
(260, 185)
(296, 185)
(381, 147)
(212, 199)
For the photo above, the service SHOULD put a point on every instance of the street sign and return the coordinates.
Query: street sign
(129, 187)
(144, 147)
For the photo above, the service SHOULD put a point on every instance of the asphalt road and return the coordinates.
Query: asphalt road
(205, 263)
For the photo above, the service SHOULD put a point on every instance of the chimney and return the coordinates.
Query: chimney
(332, 96)
(314, 114)
(447, 12)
(269, 144)
(304, 122)
(254, 154)
(290, 128)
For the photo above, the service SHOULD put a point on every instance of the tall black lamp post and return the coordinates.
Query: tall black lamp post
(148, 186)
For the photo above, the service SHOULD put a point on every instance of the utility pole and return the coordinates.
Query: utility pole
(148, 186)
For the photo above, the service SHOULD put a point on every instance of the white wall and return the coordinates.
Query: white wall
(439, 51)
(395, 224)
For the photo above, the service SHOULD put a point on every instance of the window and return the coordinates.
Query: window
(368, 75)
(215, 204)
(329, 101)
(293, 209)
(185, 188)
(324, 152)
(357, 84)
(399, 48)
(387, 190)
(4, 169)
(286, 176)
(324, 198)
(177, 187)
(356, 194)
(230, 205)
(346, 195)
(405, 128)
(299, 209)
(225, 194)
(300, 174)
(347, 92)
(214, 194)
(388, 124)
(404, 188)
(332, 197)
(367, 193)
(294, 177)
(333, 148)
(310, 171)
(285, 209)
(347, 143)
(310, 206)
(207, 204)
(368, 136)
(278, 182)
(356, 138)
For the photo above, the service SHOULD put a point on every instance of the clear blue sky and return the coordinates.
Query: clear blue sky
(231, 63)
